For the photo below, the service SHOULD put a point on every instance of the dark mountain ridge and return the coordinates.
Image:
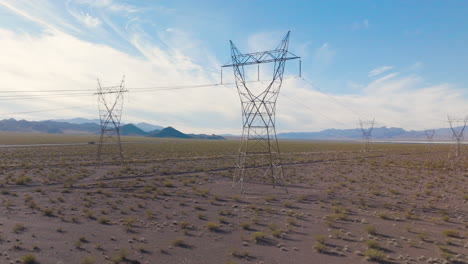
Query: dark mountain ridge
(378, 133)
(54, 127)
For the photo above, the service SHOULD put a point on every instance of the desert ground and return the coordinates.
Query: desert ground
(172, 201)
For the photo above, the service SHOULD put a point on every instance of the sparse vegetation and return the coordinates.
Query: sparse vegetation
(29, 259)
(394, 202)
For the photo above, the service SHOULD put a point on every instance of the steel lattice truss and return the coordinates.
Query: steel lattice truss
(366, 130)
(458, 129)
(110, 103)
(429, 135)
(259, 144)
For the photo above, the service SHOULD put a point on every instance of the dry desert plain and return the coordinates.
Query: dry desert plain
(171, 201)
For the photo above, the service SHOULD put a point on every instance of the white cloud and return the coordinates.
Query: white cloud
(56, 59)
(263, 41)
(363, 24)
(417, 66)
(41, 12)
(87, 19)
(366, 24)
(393, 100)
(61, 62)
(379, 70)
(325, 55)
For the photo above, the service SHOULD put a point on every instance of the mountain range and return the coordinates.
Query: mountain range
(142, 125)
(92, 126)
(378, 133)
(82, 127)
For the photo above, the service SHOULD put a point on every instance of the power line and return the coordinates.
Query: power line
(43, 97)
(297, 101)
(47, 110)
(131, 89)
(311, 109)
(331, 97)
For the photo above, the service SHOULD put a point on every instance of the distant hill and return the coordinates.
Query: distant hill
(78, 120)
(142, 125)
(148, 127)
(59, 127)
(89, 126)
(378, 133)
(50, 127)
(131, 130)
(203, 136)
(168, 132)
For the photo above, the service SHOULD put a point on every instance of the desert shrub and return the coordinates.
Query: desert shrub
(184, 225)
(87, 260)
(320, 239)
(212, 226)
(29, 259)
(129, 221)
(372, 244)
(223, 220)
(383, 215)
(48, 212)
(22, 180)
(277, 232)
(320, 247)
(451, 233)
(201, 216)
(370, 229)
(272, 226)
(121, 256)
(178, 242)
(235, 253)
(104, 220)
(258, 237)
(374, 255)
(168, 184)
(18, 228)
(245, 225)
(149, 214)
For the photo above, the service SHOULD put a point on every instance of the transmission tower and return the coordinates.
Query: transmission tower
(110, 104)
(429, 135)
(458, 128)
(259, 145)
(366, 130)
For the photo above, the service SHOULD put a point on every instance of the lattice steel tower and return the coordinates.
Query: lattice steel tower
(366, 130)
(430, 136)
(259, 145)
(110, 104)
(458, 128)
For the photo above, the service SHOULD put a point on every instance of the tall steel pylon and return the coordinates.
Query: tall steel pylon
(429, 135)
(366, 130)
(458, 128)
(110, 104)
(259, 145)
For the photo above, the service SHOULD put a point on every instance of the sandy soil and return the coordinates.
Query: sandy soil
(394, 204)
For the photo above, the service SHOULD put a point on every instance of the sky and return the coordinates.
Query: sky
(402, 63)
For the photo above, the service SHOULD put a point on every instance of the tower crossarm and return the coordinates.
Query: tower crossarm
(262, 57)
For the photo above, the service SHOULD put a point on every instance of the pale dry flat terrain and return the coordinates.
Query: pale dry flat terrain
(172, 201)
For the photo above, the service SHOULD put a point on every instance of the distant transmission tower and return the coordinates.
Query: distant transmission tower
(110, 103)
(259, 145)
(429, 135)
(366, 129)
(458, 128)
